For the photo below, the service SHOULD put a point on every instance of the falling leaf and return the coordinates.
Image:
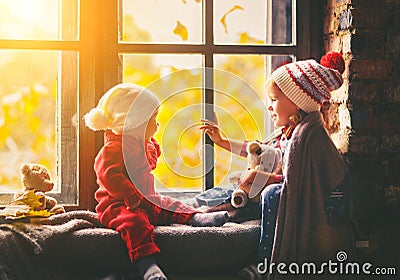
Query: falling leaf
(223, 19)
(181, 30)
(245, 38)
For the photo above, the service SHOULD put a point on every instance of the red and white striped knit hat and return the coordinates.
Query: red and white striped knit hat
(308, 83)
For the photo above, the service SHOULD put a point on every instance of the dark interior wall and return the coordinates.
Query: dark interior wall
(366, 114)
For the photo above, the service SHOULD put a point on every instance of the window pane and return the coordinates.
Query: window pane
(240, 104)
(39, 19)
(166, 21)
(27, 126)
(28, 115)
(257, 22)
(177, 81)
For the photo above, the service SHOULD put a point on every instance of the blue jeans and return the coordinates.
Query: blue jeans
(215, 196)
(269, 203)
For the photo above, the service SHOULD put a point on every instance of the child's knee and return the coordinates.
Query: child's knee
(269, 191)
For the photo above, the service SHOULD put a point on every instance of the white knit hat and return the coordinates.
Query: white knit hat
(307, 83)
(116, 103)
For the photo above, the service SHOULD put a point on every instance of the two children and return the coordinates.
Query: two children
(296, 222)
(127, 201)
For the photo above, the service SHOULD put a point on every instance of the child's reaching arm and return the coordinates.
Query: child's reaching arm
(212, 130)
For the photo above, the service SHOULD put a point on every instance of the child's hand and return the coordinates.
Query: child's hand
(211, 129)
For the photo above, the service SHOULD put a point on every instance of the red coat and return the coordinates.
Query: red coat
(123, 168)
(116, 185)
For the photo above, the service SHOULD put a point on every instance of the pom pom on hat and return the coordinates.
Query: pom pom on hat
(123, 107)
(96, 119)
(307, 83)
(333, 60)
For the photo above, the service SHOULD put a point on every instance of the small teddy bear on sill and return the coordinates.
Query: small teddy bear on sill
(259, 156)
(35, 177)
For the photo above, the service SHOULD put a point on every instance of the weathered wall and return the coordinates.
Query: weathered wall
(365, 114)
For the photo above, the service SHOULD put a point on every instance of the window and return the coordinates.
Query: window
(39, 59)
(198, 56)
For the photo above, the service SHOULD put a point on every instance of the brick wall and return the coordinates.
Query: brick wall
(365, 114)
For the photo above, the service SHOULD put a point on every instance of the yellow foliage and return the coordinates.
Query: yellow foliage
(34, 124)
(24, 206)
(29, 103)
(14, 212)
(241, 115)
(132, 32)
(38, 213)
(29, 198)
(245, 38)
(223, 18)
(4, 134)
(28, 128)
(181, 30)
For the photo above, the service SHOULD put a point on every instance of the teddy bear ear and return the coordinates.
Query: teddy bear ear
(25, 169)
(253, 146)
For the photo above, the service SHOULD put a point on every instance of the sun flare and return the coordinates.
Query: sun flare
(23, 19)
(24, 10)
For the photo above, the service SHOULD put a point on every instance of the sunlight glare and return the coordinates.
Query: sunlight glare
(29, 19)
(26, 10)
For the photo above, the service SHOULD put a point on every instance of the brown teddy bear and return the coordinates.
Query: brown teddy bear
(259, 156)
(35, 177)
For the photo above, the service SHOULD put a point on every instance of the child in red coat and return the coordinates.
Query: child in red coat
(127, 201)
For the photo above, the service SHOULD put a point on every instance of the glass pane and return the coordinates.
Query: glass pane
(240, 104)
(257, 22)
(29, 93)
(166, 21)
(39, 19)
(177, 81)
